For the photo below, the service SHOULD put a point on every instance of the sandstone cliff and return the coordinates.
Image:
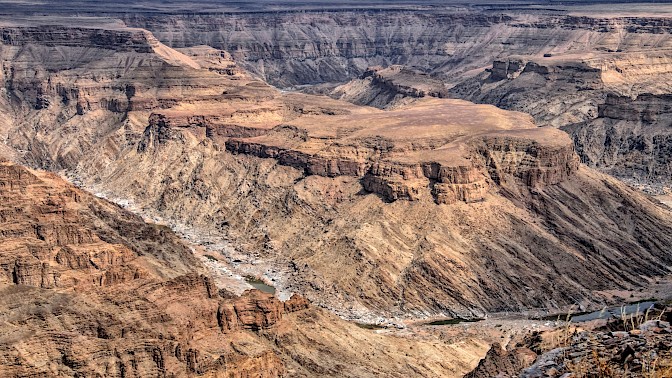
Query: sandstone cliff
(440, 207)
(89, 289)
(571, 58)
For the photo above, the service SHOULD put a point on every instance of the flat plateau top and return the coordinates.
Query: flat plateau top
(429, 118)
(439, 130)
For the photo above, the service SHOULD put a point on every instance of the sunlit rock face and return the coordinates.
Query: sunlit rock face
(428, 208)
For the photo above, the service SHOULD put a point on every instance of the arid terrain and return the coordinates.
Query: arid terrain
(395, 189)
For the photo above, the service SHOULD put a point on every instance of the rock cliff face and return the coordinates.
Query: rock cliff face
(298, 48)
(63, 76)
(554, 92)
(630, 139)
(400, 171)
(413, 165)
(289, 48)
(89, 289)
(563, 89)
(499, 362)
(607, 103)
(428, 209)
(587, 55)
(47, 246)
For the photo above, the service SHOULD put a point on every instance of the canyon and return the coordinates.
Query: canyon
(90, 289)
(384, 165)
(613, 106)
(558, 64)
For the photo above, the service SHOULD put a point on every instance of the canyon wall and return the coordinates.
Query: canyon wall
(431, 208)
(88, 288)
(630, 139)
(557, 67)
(289, 48)
(388, 87)
(570, 62)
(613, 106)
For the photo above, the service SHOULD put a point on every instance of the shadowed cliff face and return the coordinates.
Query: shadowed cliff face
(630, 139)
(292, 48)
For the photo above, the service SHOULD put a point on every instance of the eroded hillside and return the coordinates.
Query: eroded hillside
(558, 64)
(88, 288)
(384, 202)
(429, 209)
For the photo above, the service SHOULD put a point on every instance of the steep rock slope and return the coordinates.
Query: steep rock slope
(630, 139)
(591, 55)
(567, 88)
(600, 99)
(440, 207)
(289, 48)
(88, 288)
(356, 253)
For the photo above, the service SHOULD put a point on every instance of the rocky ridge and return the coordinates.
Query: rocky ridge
(77, 270)
(388, 87)
(625, 345)
(316, 195)
(91, 289)
(602, 100)
(644, 351)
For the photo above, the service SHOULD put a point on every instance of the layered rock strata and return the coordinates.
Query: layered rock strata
(572, 57)
(88, 288)
(311, 47)
(287, 179)
(91, 289)
(612, 105)
(425, 159)
(630, 139)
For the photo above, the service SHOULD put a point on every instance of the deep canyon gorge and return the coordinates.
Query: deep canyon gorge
(379, 166)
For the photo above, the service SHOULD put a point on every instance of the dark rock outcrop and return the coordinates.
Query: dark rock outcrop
(630, 139)
(502, 363)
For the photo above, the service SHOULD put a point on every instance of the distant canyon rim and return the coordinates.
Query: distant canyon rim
(389, 164)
